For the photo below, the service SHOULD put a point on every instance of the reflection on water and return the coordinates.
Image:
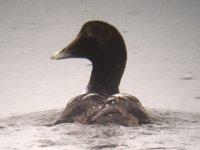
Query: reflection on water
(171, 131)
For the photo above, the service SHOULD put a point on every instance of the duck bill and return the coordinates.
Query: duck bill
(63, 54)
(67, 52)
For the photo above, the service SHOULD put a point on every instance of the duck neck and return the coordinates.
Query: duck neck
(105, 77)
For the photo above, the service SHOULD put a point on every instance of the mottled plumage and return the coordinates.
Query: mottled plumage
(102, 103)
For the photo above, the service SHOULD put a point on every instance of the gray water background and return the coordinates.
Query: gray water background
(162, 39)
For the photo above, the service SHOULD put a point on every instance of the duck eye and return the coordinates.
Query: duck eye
(85, 34)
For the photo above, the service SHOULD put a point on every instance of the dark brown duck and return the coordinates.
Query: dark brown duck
(102, 103)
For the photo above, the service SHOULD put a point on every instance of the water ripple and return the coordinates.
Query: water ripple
(171, 130)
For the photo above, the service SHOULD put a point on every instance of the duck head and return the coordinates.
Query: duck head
(96, 41)
(103, 45)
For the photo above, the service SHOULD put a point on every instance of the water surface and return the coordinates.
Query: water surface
(171, 130)
(162, 39)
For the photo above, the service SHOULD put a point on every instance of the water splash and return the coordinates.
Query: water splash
(171, 130)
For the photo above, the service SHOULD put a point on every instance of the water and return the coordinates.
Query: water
(172, 131)
(162, 39)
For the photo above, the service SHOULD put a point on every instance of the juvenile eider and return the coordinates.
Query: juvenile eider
(102, 103)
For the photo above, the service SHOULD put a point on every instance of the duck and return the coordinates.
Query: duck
(101, 103)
